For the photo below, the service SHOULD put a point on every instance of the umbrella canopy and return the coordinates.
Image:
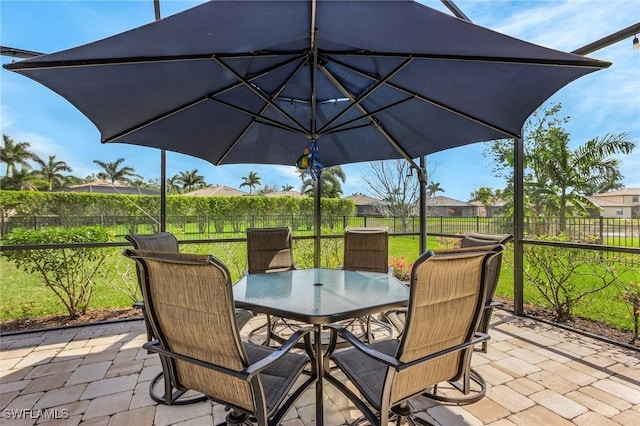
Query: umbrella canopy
(258, 81)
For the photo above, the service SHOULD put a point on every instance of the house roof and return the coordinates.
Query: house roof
(104, 187)
(291, 193)
(363, 200)
(446, 202)
(619, 192)
(216, 190)
(604, 202)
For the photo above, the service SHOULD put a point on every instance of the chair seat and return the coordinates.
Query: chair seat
(366, 370)
(278, 378)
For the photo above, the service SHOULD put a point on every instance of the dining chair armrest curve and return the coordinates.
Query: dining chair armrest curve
(286, 347)
(364, 348)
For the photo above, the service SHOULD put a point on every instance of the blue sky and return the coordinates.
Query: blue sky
(607, 101)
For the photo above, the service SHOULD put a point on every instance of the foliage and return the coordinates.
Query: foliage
(556, 271)
(113, 172)
(401, 268)
(630, 293)
(557, 179)
(51, 171)
(189, 180)
(251, 180)
(330, 181)
(68, 272)
(16, 154)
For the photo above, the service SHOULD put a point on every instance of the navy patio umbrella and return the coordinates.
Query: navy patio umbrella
(259, 81)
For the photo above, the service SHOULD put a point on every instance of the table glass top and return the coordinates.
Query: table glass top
(320, 295)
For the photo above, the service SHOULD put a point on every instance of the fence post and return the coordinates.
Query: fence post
(477, 223)
(35, 222)
(601, 229)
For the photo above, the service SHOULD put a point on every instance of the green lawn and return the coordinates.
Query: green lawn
(23, 295)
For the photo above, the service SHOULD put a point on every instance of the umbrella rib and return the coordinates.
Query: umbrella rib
(209, 96)
(345, 124)
(375, 122)
(432, 102)
(368, 92)
(580, 61)
(259, 118)
(259, 93)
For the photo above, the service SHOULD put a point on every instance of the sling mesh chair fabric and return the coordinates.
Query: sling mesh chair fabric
(367, 249)
(189, 301)
(167, 242)
(270, 250)
(445, 304)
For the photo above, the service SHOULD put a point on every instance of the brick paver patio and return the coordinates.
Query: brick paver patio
(99, 375)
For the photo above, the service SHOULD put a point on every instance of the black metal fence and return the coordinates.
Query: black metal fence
(606, 231)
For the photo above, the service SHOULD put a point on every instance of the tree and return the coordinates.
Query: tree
(486, 196)
(433, 188)
(330, 181)
(173, 185)
(267, 189)
(190, 180)
(22, 180)
(251, 180)
(113, 172)
(287, 187)
(392, 182)
(51, 171)
(558, 179)
(16, 154)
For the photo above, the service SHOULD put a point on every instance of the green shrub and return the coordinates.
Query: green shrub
(69, 272)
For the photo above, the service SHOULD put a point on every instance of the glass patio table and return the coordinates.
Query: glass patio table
(320, 297)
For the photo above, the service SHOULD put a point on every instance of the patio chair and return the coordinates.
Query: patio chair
(269, 250)
(445, 304)
(474, 239)
(367, 249)
(189, 301)
(167, 242)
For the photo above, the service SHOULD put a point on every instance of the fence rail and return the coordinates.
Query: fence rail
(606, 231)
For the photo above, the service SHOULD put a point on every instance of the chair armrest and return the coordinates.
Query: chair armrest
(289, 344)
(244, 374)
(365, 349)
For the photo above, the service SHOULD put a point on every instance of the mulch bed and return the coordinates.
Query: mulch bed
(98, 315)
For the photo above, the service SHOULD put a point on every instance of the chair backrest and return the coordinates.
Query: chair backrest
(161, 241)
(493, 264)
(475, 239)
(445, 303)
(269, 250)
(366, 249)
(189, 301)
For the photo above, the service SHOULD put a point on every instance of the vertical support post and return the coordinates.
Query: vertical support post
(317, 219)
(518, 223)
(422, 177)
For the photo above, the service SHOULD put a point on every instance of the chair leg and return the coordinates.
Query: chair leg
(469, 396)
(170, 395)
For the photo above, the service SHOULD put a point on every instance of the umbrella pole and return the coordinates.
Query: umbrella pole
(316, 220)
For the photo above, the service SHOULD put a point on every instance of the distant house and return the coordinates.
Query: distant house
(495, 209)
(104, 187)
(366, 206)
(622, 203)
(216, 190)
(445, 206)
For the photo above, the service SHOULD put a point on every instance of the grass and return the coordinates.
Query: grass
(24, 295)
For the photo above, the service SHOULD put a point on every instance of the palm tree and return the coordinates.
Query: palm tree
(51, 170)
(190, 180)
(433, 188)
(113, 172)
(22, 180)
(567, 175)
(251, 180)
(16, 154)
(287, 187)
(173, 185)
(331, 186)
